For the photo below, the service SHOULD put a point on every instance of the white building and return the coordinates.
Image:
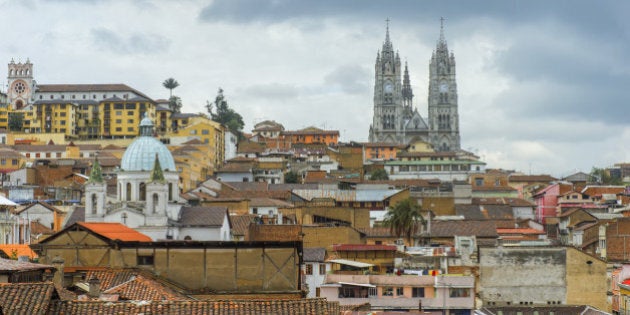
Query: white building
(314, 269)
(147, 198)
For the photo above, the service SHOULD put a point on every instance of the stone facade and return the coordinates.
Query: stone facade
(395, 120)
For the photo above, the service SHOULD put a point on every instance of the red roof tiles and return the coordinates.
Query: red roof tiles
(115, 231)
(363, 247)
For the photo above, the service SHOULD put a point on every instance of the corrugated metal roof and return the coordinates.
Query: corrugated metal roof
(346, 195)
(352, 263)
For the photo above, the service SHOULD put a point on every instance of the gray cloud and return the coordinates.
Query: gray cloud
(351, 79)
(135, 43)
(274, 91)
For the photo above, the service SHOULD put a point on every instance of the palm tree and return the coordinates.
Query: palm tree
(170, 84)
(404, 219)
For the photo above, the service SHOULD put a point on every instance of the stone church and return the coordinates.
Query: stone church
(396, 120)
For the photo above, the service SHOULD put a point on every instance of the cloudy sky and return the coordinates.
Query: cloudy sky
(542, 84)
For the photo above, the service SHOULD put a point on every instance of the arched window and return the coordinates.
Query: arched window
(94, 203)
(119, 191)
(156, 199)
(128, 192)
(170, 191)
(143, 191)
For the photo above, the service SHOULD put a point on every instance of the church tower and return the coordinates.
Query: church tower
(442, 102)
(95, 191)
(387, 121)
(21, 84)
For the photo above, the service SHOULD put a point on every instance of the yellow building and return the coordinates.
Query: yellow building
(206, 130)
(50, 116)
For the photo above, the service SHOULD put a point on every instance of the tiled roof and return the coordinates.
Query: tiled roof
(492, 188)
(593, 191)
(250, 147)
(115, 231)
(39, 203)
(39, 148)
(363, 247)
(268, 202)
(110, 278)
(346, 195)
(20, 250)
(285, 307)
(6, 152)
(26, 298)
(77, 215)
(46, 88)
(520, 231)
(289, 187)
(314, 254)
(202, 216)
(485, 212)
(240, 223)
(247, 185)
(14, 265)
(38, 228)
(514, 202)
(383, 144)
(542, 310)
(531, 178)
(481, 228)
(377, 232)
(140, 288)
(311, 131)
(236, 168)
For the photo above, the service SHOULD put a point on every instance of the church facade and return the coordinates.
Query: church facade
(396, 120)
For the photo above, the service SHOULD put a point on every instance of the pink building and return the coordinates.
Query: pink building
(546, 200)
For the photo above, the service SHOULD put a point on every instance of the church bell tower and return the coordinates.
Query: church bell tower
(442, 102)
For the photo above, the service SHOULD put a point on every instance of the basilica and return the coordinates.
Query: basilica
(396, 120)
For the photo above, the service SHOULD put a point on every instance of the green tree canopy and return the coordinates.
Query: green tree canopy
(379, 174)
(175, 104)
(16, 121)
(404, 219)
(602, 176)
(291, 177)
(170, 84)
(223, 114)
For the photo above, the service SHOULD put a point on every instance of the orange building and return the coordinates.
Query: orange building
(380, 151)
(312, 135)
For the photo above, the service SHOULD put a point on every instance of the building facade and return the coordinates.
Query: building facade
(395, 119)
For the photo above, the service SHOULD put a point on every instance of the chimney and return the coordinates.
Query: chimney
(58, 277)
(95, 287)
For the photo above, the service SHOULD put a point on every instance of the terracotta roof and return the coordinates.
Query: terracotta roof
(26, 298)
(314, 254)
(20, 250)
(236, 168)
(485, 212)
(269, 202)
(363, 247)
(311, 131)
(250, 147)
(202, 216)
(109, 278)
(115, 231)
(38, 228)
(479, 228)
(246, 185)
(289, 187)
(593, 191)
(240, 223)
(383, 144)
(520, 231)
(285, 307)
(14, 265)
(492, 188)
(140, 288)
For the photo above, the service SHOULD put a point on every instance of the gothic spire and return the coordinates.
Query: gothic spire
(407, 93)
(441, 45)
(96, 175)
(387, 45)
(157, 176)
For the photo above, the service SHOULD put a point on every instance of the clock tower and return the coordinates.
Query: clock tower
(21, 84)
(388, 97)
(442, 102)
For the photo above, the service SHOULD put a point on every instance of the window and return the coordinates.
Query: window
(400, 291)
(417, 292)
(322, 269)
(119, 113)
(130, 113)
(309, 269)
(119, 129)
(388, 291)
(254, 210)
(372, 292)
(459, 292)
(14, 162)
(130, 121)
(205, 131)
(3, 161)
(478, 181)
(145, 260)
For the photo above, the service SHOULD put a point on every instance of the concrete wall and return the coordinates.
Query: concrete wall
(522, 274)
(321, 236)
(586, 280)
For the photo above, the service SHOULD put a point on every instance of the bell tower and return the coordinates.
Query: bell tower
(21, 83)
(442, 102)
(387, 119)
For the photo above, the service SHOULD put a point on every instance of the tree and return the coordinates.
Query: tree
(170, 84)
(223, 114)
(404, 219)
(16, 121)
(175, 104)
(379, 174)
(603, 177)
(291, 177)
